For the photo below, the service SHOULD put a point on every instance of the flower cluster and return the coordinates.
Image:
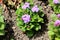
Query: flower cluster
(54, 24)
(55, 4)
(29, 18)
(26, 18)
(54, 27)
(34, 8)
(57, 23)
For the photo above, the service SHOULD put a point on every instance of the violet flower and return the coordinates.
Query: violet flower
(58, 15)
(57, 23)
(26, 5)
(35, 9)
(26, 18)
(55, 1)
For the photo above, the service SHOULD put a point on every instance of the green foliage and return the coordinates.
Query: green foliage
(30, 1)
(54, 31)
(30, 33)
(57, 38)
(36, 19)
(2, 24)
(56, 7)
(54, 17)
(1, 9)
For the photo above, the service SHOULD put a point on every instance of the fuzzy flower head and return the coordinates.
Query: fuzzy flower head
(35, 9)
(55, 1)
(26, 18)
(57, 23)
(26, 5)
(58, 15)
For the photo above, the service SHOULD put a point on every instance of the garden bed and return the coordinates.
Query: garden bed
(12, 32)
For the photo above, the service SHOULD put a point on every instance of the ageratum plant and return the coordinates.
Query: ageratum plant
(55, 4)
(29, 17)
(2, 24)
(54, 27)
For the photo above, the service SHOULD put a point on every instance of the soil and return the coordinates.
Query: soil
(12, 31)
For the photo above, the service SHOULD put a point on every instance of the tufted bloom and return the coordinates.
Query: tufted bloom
(35, 9)
(58, 15)
(55, 1)
(26, 5)
(57, 23)
(26, 18)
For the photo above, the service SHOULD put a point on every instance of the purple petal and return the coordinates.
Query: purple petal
(58, 15)
(23, 7)
(25, 21)
(35, 9)
(57, 23)
(26, 18)
(26, 5)
(55, 1)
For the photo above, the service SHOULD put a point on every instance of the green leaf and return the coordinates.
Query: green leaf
(19, 23)
(27, 10)
(2, 32)
(1, 9)
(40, 20)
(42, 15)
(31, 13)
(19, 11)
(28, 28)
(1, 18)
(18, 19)
(2, 27)
(55, 7)
(21, 4)
(37, 28)
(57, 38)
(23, 29)
(31, 1)
(29, 33)
(51, 33)
(54, 17)
(40, 7)
(31, 26)
(12, 39)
